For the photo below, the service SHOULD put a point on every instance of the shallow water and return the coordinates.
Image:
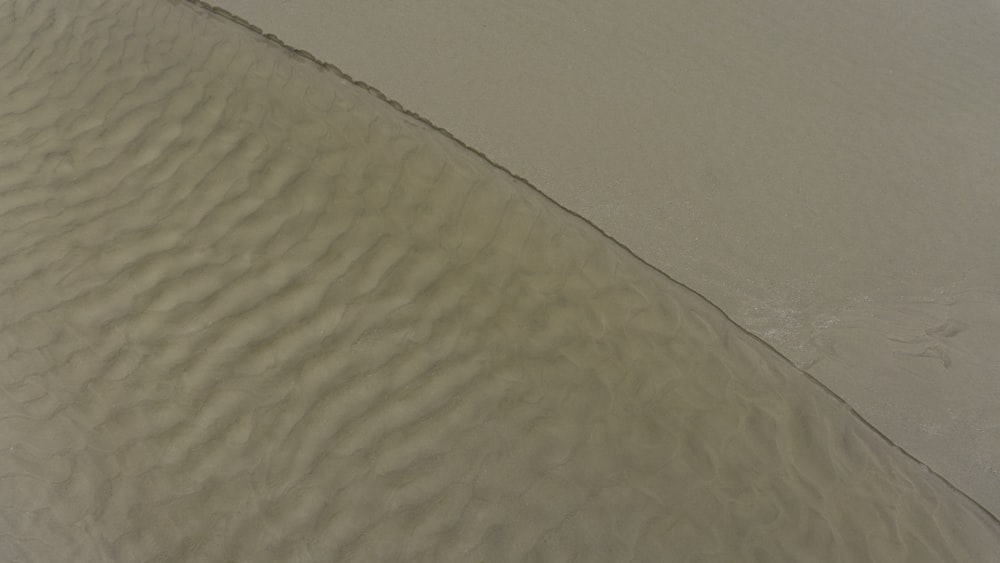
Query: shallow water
(249, 311)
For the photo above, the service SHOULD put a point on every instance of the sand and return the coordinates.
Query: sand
(824, 172)
(250, 311)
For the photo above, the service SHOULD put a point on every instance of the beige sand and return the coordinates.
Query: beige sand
(251, 312)
(825, 172)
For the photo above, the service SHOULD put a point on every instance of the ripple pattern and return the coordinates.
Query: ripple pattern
(249, 311)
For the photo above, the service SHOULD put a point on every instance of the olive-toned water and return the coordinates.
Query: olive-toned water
(251, 312)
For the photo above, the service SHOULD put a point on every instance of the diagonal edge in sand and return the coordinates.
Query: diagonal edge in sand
(567, 384)
(400, 108)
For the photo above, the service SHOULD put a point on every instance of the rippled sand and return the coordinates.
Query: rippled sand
(249, 311)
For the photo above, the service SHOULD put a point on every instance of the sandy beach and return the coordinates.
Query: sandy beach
(252, 311)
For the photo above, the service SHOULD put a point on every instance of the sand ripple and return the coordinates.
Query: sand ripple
(250, 312)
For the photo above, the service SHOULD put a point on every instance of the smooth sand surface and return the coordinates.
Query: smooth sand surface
(825, 172)
(249, 311)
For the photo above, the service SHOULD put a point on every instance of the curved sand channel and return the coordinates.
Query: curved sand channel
(249, 311)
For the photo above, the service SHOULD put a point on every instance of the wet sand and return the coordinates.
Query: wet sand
(824, 172)
(251, 311)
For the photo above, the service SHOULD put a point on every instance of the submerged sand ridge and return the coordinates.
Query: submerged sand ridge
(249, 311)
